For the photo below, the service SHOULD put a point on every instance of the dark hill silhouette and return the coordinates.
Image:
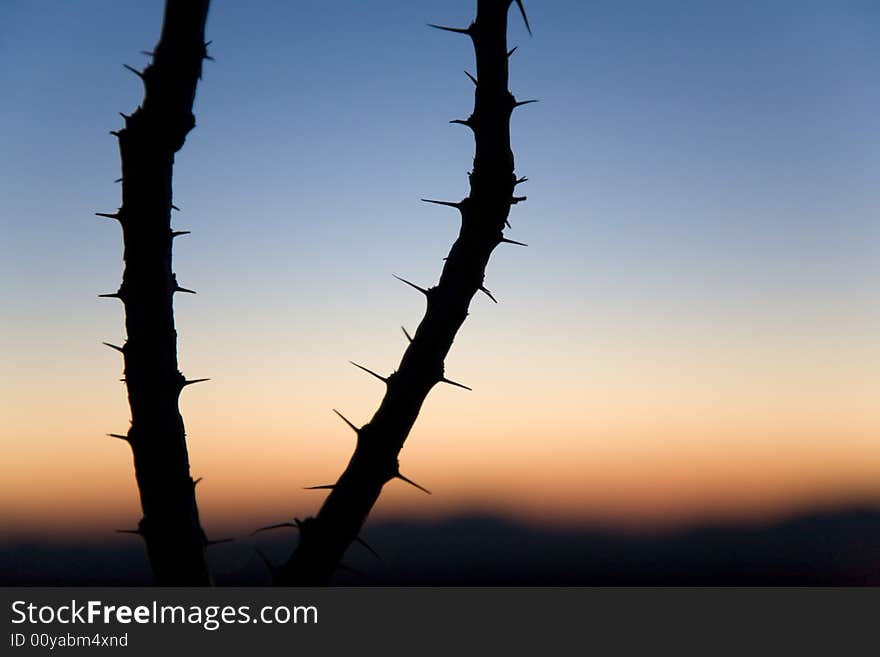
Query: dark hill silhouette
(823, 548)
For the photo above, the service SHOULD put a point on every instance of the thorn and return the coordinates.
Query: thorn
(524, 102)
(113, 346)
(196, 481)
(178, 233)
(411, 483)
(517, 199)
(522, 10)
(174, 207)
(347, 421)
(208, 43)
(454, 383)
(488, 294)
(368, 371)
(473, 79)
(189, 382)
(272, 569)
(457, 30)
(112, 295)
(115, 133)
(408, 336)
(321, 487)
(118, 180)
(177, 288)
(218, 542)
(362, 542)
(450, 204)
(511, 51)
(109, 215)
(507, 241)
(148, 53)
(268, 527)
(120, 436)
(130, 531)
(413, 285)
(519, 181)
(125, 117)
(465, 122)
(134, 70)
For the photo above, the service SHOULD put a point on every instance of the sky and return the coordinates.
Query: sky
(691, 334)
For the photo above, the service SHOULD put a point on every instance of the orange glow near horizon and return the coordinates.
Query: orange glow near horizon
(696, 419)
(565, 458)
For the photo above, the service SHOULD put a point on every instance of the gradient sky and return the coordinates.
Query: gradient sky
(692, 333)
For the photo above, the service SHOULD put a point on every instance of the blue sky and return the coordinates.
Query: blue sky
(703, 183)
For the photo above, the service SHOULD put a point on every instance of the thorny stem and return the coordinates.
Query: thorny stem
(152, 135)
(324, 538)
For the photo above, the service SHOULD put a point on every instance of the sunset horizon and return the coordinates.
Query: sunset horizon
(689, 339)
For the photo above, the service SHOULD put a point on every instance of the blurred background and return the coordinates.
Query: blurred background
(686, 355)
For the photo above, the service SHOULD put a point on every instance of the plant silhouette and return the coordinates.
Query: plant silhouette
(148, 142)
(152, 135)
(324, 538)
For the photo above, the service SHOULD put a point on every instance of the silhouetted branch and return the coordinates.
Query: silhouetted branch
(152, 135)
(325, 537)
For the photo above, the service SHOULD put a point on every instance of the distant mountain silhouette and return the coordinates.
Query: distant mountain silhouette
(824, 548)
